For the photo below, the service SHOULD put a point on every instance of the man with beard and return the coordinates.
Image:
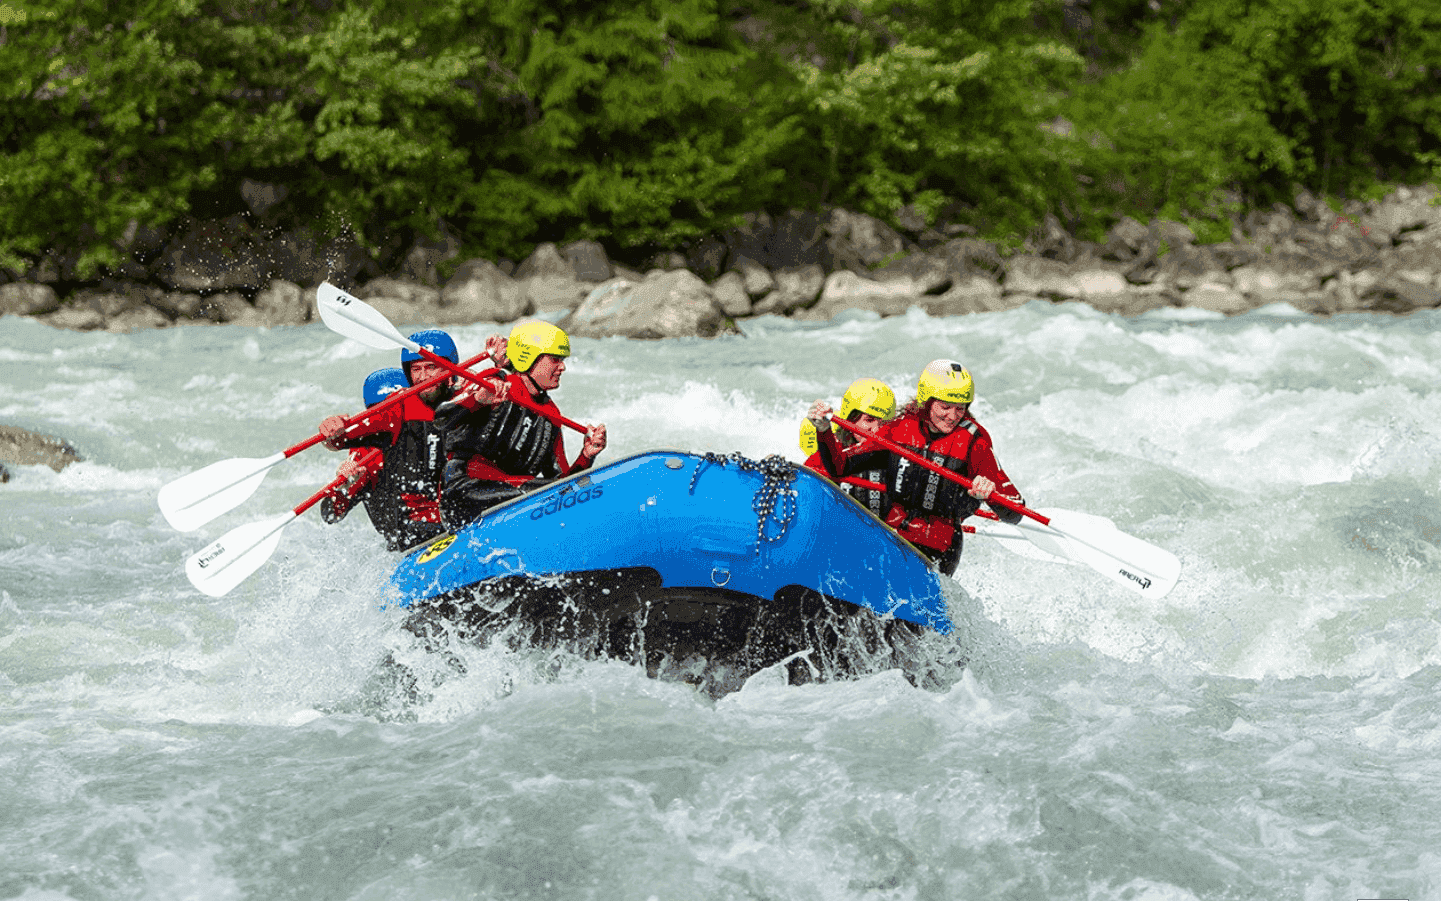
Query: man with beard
(401, 495)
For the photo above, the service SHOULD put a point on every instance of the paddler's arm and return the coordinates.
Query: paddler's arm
(989, 479)
(375, 430)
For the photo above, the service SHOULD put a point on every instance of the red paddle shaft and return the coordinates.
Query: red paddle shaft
(365, 460)
(389, 400)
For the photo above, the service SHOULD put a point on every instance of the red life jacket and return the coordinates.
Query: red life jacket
(926, 507)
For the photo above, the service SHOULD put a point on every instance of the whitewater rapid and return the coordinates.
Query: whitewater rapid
(1269, 729)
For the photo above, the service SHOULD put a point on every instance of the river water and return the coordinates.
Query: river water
(1271, 729)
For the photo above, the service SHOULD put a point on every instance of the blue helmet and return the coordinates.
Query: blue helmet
(382, 383)
(433, 340)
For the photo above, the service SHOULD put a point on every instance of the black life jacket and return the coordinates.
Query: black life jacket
(409, 475)
(512, 438)
(873, 499)
(923, 492)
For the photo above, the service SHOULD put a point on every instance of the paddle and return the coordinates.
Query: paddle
(193, 500)
(1014, 539)
(1093, 540)
(1008, 536)
(359, 321)
(232, 558)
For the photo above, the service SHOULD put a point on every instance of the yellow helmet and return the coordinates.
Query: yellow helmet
(946, 380)
(869, 396)
(529, 339)
(866, 395)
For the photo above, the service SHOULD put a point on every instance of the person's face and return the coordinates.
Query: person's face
(868, 423)
(422, 370)
(944, 416)
(546, 371)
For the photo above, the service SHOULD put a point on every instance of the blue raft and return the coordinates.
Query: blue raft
(668, 554)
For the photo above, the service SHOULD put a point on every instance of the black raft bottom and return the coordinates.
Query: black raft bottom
(709, 637)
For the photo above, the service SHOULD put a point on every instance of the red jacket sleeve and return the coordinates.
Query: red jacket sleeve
(982, 462)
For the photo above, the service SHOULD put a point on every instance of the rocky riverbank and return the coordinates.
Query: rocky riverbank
(1379, 256)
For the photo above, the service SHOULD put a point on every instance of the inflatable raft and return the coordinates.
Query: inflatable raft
(681, 560)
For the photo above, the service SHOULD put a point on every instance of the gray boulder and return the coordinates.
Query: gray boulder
(1218, 298)
(1175, 234)
(588, 260)
(299, 256)
(550, 280)
(1087, 282)
(21, 447)
(755, 278)
(859, 242)
(137, 318)
(233, 309)
(670, 304)
(284, 303)
(1133, 300)
(923, 272)
(1264, 285)
(481, 292)
(730, 293)
(1037, 276)
(555, 293)
(402, 301)
(1395, 294)
(973, 294)
(1125, 240)
(81, 318)
(1052, 241)
(113, 300)
(707, 258)
(27, 299)
(966, 257)
(404, 290)
(546, 261)
(796, 288)
(845, 290)
(180, 305)
(1403, 211)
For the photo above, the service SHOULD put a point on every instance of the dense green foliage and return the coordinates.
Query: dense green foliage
(1250, 97)
(648, 123)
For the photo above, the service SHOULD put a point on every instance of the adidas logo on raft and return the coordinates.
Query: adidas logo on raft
(567, 499)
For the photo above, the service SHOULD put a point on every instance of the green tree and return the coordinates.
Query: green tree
(113, 113)
(1248, 97)
(937, 104)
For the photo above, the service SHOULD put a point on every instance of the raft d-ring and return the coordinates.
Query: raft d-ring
(720, 578)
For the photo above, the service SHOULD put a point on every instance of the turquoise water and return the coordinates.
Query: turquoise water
(1270, 729)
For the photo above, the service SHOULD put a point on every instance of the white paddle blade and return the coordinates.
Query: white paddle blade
(1143, 567)
(230, 560)
(356, 319)
(1013, 539)
(193, 500)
